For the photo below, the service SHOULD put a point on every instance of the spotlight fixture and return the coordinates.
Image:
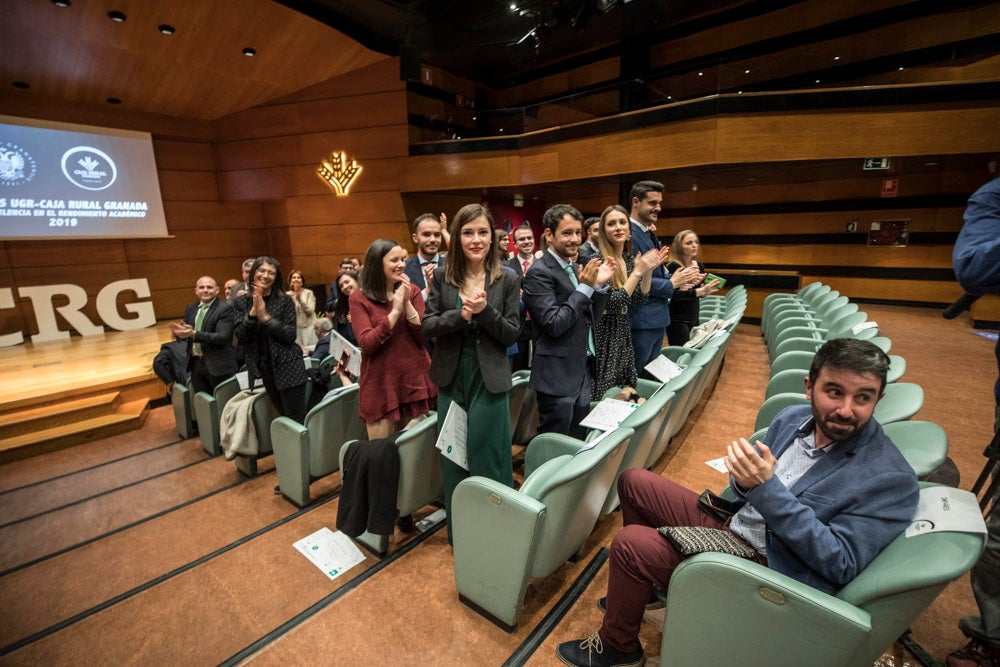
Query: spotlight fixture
(166, 29)
(901, 69)
(836, 57)
(249, 52)
(117, 17)
(701, 74)
(746, 71)
(817, 80)
(23, 85)
(62, 3)
(113, 100)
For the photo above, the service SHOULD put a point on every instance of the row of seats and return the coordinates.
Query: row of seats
(802, 625)
(504, 537)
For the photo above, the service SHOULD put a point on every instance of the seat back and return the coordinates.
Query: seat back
(263, 413)
(790, 381)
(515, 397)
(902, 400)
(573, 492)
(208, 411)
(331, 423)
(795, 359)
(924, 444)
(897, 368)
(180, 397)
(776, 404)
(646, 421)
(683, 387)
(420, 480)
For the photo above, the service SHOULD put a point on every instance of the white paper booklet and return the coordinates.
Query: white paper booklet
(663, 369)
(452, 437)
(608, 414)
(333, 553)
(942, 508)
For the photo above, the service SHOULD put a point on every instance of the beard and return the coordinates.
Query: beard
(836, 428)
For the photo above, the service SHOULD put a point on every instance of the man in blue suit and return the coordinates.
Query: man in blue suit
(649, 321)
(565, 307)
(427, 236)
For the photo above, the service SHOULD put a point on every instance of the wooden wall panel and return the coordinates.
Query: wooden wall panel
(557, 84)
(183, 155)
(379, 77)
(805, 255)
(830, 222)
(803, 136)
(921, 291)
(362, 207)
(195, 244)
(361, 144)
(25, 254)
(194, 215)
(276, 182)
(454, 172)
(189, 185)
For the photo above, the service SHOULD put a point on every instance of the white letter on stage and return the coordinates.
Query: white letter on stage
(7, 301)
(45, 315)
(108, 310)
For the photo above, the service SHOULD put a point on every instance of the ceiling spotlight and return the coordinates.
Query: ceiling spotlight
(166, 29)
(114, 100)
(249, 53)
(836, 57)
(23, 85)
(746, 71)
(901, 69)
(62, 3)
(117, 16)
(701, 74)
(817, 80)
(513, 7)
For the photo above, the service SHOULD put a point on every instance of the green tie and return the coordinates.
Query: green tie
(590, 332)
(198, 320)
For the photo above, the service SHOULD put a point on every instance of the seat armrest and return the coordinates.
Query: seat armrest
(290, 442)
(547, 446)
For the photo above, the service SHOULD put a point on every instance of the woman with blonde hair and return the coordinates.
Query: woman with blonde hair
(472, 313)
(614, 359)
(685, 252)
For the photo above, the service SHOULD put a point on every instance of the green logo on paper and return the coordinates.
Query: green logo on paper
(449, 449)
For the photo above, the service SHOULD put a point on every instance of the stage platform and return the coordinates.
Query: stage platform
(62, 393)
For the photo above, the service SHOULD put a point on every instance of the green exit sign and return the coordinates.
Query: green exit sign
(876, 163)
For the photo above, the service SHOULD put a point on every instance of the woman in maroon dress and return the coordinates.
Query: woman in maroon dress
(395, 384)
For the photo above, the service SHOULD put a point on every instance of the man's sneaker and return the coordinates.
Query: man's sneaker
(654, 603)
(592, 652)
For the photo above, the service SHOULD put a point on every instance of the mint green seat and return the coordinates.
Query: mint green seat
(263, 414)
(683, 387)
(305, 452)
(784, 623)
(775, 404)
(795, 308)
(789, 381)
(800, 359)
(420, 480)
(515, 398)
(208, 409)
(797, 344)
(924, 444)
(902, 400)
(503, 537)
(882, 343)
(184, 417)
(527, 418)
(897, 368)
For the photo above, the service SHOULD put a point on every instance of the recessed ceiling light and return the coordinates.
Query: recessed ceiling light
(701, 74)
(114, 100)
(62, 3)
(117, 17)
(930, 164)
(249, 53)
(166, 29)
(739, 92)
(836, 57)
(817, 80)
(746, 71)
(513, 7)
(901, 69)
(23, 85)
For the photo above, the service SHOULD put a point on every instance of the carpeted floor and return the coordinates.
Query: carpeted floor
(141, 549)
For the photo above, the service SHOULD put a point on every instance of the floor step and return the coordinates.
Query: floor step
(129, 417)
(61, 413)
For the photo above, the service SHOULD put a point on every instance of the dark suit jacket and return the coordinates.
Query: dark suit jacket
(587, 253)
(322, 349)
(498, 326)
(561, 316)
(416, 274)
(514, 263)
(655, 313)
(278, 334)
(215, 337)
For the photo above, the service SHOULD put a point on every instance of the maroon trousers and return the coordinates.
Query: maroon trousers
(640, 556)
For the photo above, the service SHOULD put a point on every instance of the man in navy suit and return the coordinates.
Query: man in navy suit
(208, 330)
(524, 241)
(565, 307)
(427, 236)
(649, 321)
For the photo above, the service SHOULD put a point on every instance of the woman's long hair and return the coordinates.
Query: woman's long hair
(456, 264)
(373, 273)
(677, 247)
(608, 250)
(343, 305)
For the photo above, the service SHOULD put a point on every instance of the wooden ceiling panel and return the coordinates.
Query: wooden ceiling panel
(80, 55)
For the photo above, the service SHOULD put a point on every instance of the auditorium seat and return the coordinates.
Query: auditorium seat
(180, 397)
(775, 404)
(785, 623)
(924, 444)
(420, 481)
(902, 400)
(263, 413)
(683, 387)
(794, 359)
(208, 409)
(305, 452)
(897, 368)
(504, 537)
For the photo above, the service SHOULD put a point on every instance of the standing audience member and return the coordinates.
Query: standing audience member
(427, 236)
(331, 301)
(265, 327)
(503, 244)
(239, 289)
(615, 363)
(524, 242)
(208, 330)
(305, 309)
(684, 315)
(564, 310)
(590, 248)
(230, 284)
(817, 504)
(346, 284)
(976, 259)
(649, 323)
(385, 314)
(473, 314)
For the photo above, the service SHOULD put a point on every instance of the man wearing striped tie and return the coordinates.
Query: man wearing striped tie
(208, 330)
(565, 306)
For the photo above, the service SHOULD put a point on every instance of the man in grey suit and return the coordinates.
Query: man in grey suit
(208, 330)
(565, 308)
